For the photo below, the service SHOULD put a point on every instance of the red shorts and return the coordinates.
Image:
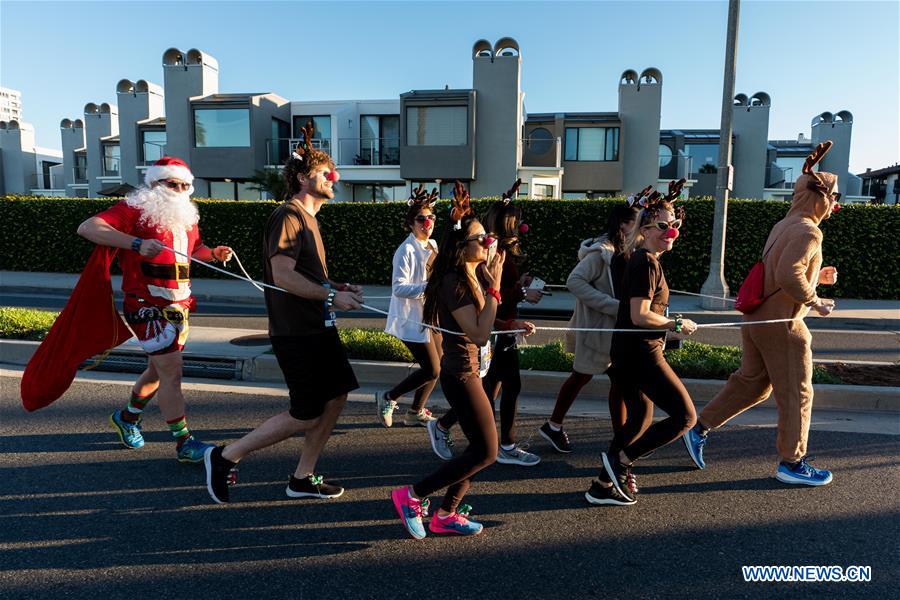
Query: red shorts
(159, 329)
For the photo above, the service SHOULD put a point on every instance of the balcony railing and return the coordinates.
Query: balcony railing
(780, 177)
(541, 152)
(110, 167)
(369, 151)
(79, 174)
(684, 164)
(278, 149)
(152, 152)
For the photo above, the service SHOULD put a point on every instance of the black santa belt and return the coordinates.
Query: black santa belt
(172, 272)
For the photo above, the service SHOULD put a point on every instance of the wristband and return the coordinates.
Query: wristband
(329, 301)
(678, 323)
(495, 293)
(136, 244)
(524, 291)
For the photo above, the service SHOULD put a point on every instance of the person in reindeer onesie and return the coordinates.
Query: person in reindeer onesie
(778, 356)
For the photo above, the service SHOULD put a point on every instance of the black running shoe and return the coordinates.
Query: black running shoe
(220, 473)
(558, 439)
(599, 494)
(312, 486)
(618, 474)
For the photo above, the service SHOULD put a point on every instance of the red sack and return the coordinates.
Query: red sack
(88, 325)
(751, 295)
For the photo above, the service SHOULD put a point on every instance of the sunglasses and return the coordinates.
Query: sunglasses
(483, 239)
(426, 218)
(836, 197)
(176, 185)
(664, 226)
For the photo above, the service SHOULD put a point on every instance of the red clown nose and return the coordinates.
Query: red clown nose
(332, 176)
(488, 242)
(523, 228)
(836, 208)
(671, 232)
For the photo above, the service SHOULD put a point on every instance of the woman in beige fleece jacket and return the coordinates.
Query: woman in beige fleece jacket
(778, 356)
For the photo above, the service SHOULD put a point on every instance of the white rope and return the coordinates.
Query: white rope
(260, 285)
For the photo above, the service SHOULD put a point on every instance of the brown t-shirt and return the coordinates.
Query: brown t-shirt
(643, 278)
(295, 233)
(460, 354)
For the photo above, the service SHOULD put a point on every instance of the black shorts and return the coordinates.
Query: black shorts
(316, 370)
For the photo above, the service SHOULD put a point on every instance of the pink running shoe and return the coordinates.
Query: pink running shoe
(456, 522)
(411, 511)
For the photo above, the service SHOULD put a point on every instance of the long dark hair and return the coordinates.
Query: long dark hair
(503, 219)
(621, 213)
(450, 259)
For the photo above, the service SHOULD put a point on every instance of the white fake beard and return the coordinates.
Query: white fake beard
(164, 209)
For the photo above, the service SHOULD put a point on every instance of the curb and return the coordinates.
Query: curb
(264, 368)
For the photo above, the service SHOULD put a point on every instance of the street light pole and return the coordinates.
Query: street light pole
(715, 283)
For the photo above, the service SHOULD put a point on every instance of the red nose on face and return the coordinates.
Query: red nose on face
(671, 232)
(835, 208)
(332, 176)
(488, 242)
(523, 228)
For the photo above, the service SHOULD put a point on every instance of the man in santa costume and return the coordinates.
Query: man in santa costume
(157, 290)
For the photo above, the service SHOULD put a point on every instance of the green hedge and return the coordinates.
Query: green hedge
(38, 234)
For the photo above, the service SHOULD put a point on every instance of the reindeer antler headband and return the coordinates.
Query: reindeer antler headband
(459, 206)
(421, 197)
(641, 197)
(304, 148)
(815, 182)
(512, 192)
(657, 202)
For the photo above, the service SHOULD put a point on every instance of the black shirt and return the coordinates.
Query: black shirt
(643, 278)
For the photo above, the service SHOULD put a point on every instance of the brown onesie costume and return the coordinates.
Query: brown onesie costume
(777, 356)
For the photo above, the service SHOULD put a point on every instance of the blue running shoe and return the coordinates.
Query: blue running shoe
(694, 443)
(457, 523)
(410, 511)
(192, 450)
(129, 433)
(802, 473)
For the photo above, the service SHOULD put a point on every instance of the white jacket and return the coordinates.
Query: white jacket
(408, 280)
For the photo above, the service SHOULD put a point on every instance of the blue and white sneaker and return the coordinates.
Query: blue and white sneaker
(410, 510)
(694, 443)
(802, 473)
(192, 450)
(129, 433)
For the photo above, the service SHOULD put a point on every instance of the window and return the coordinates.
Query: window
(379, 140)
(110, 160)
(539, 141)
(792, 166)
(232, 190)
(280, 143)
(665, 156)
(80, 168)
(321, 130)
(153, 145)
(701, 155)
(378, 193)
(542, 191)
(222, 127)
(437, 125)
(592, 143)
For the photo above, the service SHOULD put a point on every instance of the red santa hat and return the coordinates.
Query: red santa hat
(168, 167)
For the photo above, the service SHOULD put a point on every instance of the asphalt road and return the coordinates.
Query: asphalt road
(846, 345)
(82, 517)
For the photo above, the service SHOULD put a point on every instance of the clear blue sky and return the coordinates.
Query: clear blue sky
(809, 56)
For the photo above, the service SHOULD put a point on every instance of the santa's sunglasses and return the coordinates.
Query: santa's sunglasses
(178, 186)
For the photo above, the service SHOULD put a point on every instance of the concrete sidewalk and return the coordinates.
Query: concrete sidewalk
(876, 315)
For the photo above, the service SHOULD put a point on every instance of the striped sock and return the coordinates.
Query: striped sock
(179, 430)
(136, 406)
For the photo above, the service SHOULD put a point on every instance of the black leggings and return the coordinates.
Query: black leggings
(645, 379)
(428, 355)
(503, 375)
(476, 418)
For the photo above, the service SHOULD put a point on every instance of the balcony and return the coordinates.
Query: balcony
(110, 167)
(152, 152)
(278, 149)
(779, 178)
(369, 151)
(79, 174)
(541, 152)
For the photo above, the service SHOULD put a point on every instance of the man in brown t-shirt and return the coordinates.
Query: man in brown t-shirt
(302, 330)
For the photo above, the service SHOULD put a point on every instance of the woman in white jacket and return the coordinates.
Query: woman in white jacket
(408, 279)
(593, 282)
